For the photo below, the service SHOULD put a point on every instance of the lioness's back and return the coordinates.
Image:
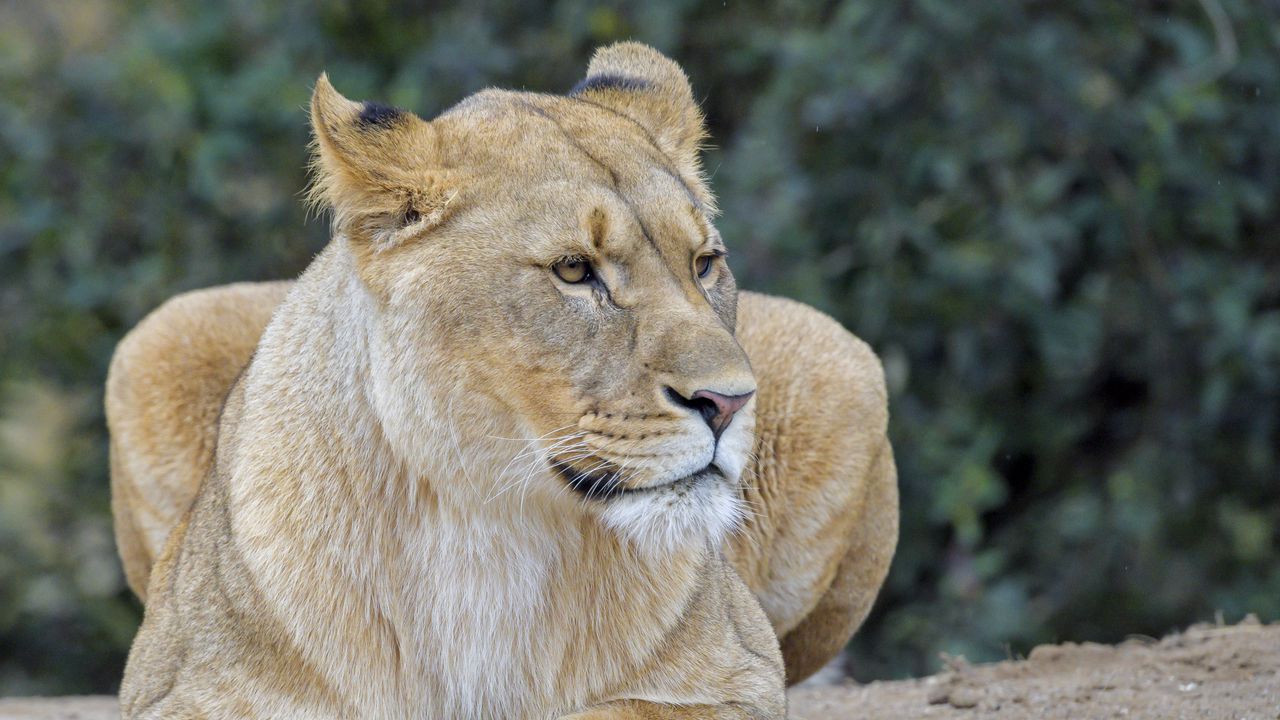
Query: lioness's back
(165, 390)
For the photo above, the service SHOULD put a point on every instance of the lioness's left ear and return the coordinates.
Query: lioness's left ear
(650, 88)
(378, 168)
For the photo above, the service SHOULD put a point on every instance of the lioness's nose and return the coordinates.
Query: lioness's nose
(717, 409)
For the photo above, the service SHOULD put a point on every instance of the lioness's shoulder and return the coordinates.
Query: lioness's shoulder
(807, 356)
(165, 388)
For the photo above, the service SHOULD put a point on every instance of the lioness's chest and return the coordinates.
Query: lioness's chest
(473, 619)
(490, 613)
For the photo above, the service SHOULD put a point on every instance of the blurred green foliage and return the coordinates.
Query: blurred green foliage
(1057, 222)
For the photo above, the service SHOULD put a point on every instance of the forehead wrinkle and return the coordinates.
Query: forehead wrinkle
(666, 164)
(653, 142)
(617, 180)
(569, 139)
(596, 159)
(490, 107)
(561, 111)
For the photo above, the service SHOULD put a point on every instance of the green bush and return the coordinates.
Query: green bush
(1056, 222)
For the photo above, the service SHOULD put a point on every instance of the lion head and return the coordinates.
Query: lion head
(551, 314)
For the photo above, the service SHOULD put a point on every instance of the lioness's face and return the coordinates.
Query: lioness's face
(554, 259)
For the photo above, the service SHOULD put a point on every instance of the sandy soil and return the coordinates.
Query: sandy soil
(1207, 672)
(1232, 673)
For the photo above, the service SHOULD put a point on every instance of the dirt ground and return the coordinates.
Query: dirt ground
(1208, 672)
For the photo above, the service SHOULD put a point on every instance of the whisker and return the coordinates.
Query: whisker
(535, 455)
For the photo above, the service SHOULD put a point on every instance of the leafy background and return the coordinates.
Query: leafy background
(1057, 222)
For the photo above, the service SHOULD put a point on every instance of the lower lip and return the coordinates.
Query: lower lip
(707, 473)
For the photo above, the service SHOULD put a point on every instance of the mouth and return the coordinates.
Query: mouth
(607, 486)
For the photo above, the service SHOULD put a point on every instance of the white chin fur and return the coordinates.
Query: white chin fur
(664, 520)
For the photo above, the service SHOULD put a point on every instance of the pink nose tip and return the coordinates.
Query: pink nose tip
(717, 409)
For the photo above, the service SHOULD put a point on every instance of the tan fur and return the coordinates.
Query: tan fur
(165, 389)
(380, 533)
(823, 480)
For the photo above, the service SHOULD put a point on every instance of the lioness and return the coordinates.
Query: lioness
(492, 453)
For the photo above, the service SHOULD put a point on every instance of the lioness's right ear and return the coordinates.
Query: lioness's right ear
(646, 86)
(377, 167)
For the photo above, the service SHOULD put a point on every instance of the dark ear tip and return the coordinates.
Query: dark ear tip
(608, 81)
(377, 114)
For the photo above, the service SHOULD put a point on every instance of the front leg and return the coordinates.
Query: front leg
(645, 710)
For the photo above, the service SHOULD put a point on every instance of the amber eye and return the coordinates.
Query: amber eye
(572, 270)
(702, 266)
